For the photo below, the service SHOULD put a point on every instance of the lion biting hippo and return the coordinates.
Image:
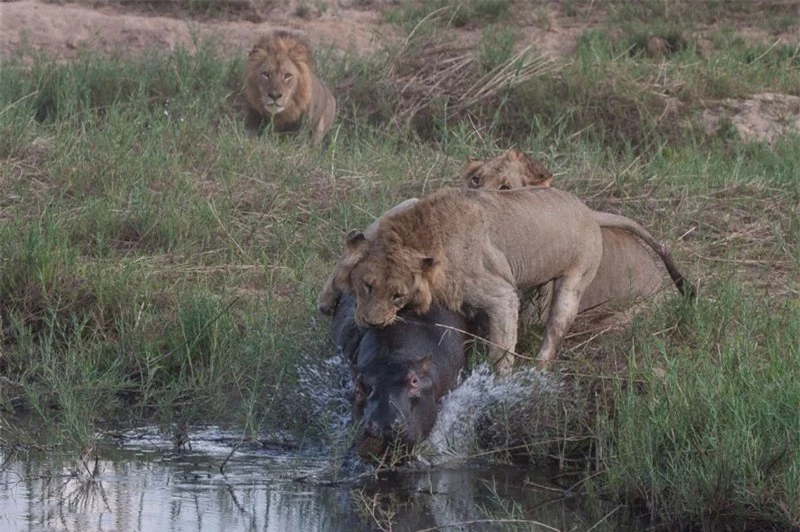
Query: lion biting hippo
(473, 251)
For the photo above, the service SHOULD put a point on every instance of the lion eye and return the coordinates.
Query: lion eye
(287, 77)
(476, 180)
(505, 187)
(398, 299)
(368, 288)
(265, 74)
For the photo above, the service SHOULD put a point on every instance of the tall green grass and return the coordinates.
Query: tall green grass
(158, 265)
(709, 436)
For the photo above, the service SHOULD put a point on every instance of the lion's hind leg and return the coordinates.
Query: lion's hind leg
(567, 293)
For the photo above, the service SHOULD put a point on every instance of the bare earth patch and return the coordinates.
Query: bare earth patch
(762, 117)
(64, 29)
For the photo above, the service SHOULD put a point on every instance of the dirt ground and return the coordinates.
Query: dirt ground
(64, 29)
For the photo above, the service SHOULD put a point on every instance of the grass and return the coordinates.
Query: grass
(158, 266)
(446, 13)
(719, 412)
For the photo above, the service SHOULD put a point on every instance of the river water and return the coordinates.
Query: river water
(137, 481)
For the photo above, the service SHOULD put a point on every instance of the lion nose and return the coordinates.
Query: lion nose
(275, 95)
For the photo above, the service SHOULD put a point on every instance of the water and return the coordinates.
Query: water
(138, 482)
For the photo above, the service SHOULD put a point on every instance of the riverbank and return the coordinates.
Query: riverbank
(157, 266)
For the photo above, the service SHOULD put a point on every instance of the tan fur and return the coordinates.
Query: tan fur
(513, 169)
(627, 270)
(473, 251)
(336, 282)
(282, 88)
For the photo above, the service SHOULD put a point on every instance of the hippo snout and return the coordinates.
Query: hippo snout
(372, 429)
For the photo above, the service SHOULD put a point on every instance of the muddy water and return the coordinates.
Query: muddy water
(137, 482)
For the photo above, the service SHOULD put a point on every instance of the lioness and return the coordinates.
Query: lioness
(627, 270)
(336, 282)
(283, 90)
(472, 251)
(513, 169)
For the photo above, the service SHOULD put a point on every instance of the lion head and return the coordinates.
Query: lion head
(511, 170)
(387, 277)
(279, 77)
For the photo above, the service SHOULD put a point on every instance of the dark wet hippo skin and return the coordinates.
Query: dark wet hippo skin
(400, 372)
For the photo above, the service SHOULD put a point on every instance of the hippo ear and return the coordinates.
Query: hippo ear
(414, 378)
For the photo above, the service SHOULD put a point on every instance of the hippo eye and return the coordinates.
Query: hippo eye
(505, 187)
(287, 77)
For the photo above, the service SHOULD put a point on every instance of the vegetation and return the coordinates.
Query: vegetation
(157, 265)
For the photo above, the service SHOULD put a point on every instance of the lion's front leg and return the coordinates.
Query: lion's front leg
(253, 123)
(503, 311)
(329, 295)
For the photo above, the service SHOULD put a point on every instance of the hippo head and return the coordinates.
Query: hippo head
(397, 405)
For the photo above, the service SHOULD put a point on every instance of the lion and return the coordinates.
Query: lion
(283, 90)
(335, 284)
(627, 270)
(472, 251)
(512, 169)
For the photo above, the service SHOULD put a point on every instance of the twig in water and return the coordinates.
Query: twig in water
(609, 514)
(233, 450)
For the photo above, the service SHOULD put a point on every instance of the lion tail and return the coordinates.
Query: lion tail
(614, 221)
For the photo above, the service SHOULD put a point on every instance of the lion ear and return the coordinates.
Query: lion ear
(516, 154)
(300, 50)
(471, 167)
(355, 239)
(256, 51)
(537, 174)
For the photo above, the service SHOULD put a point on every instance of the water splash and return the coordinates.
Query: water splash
(480, 396)
(324, 389)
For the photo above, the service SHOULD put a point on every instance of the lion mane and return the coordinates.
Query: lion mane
(282, 88)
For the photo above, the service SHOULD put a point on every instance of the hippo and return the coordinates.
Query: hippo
(400, 372)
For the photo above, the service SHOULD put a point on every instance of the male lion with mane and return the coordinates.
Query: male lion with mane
(283, 90)
(627, 270)
(472, 251)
